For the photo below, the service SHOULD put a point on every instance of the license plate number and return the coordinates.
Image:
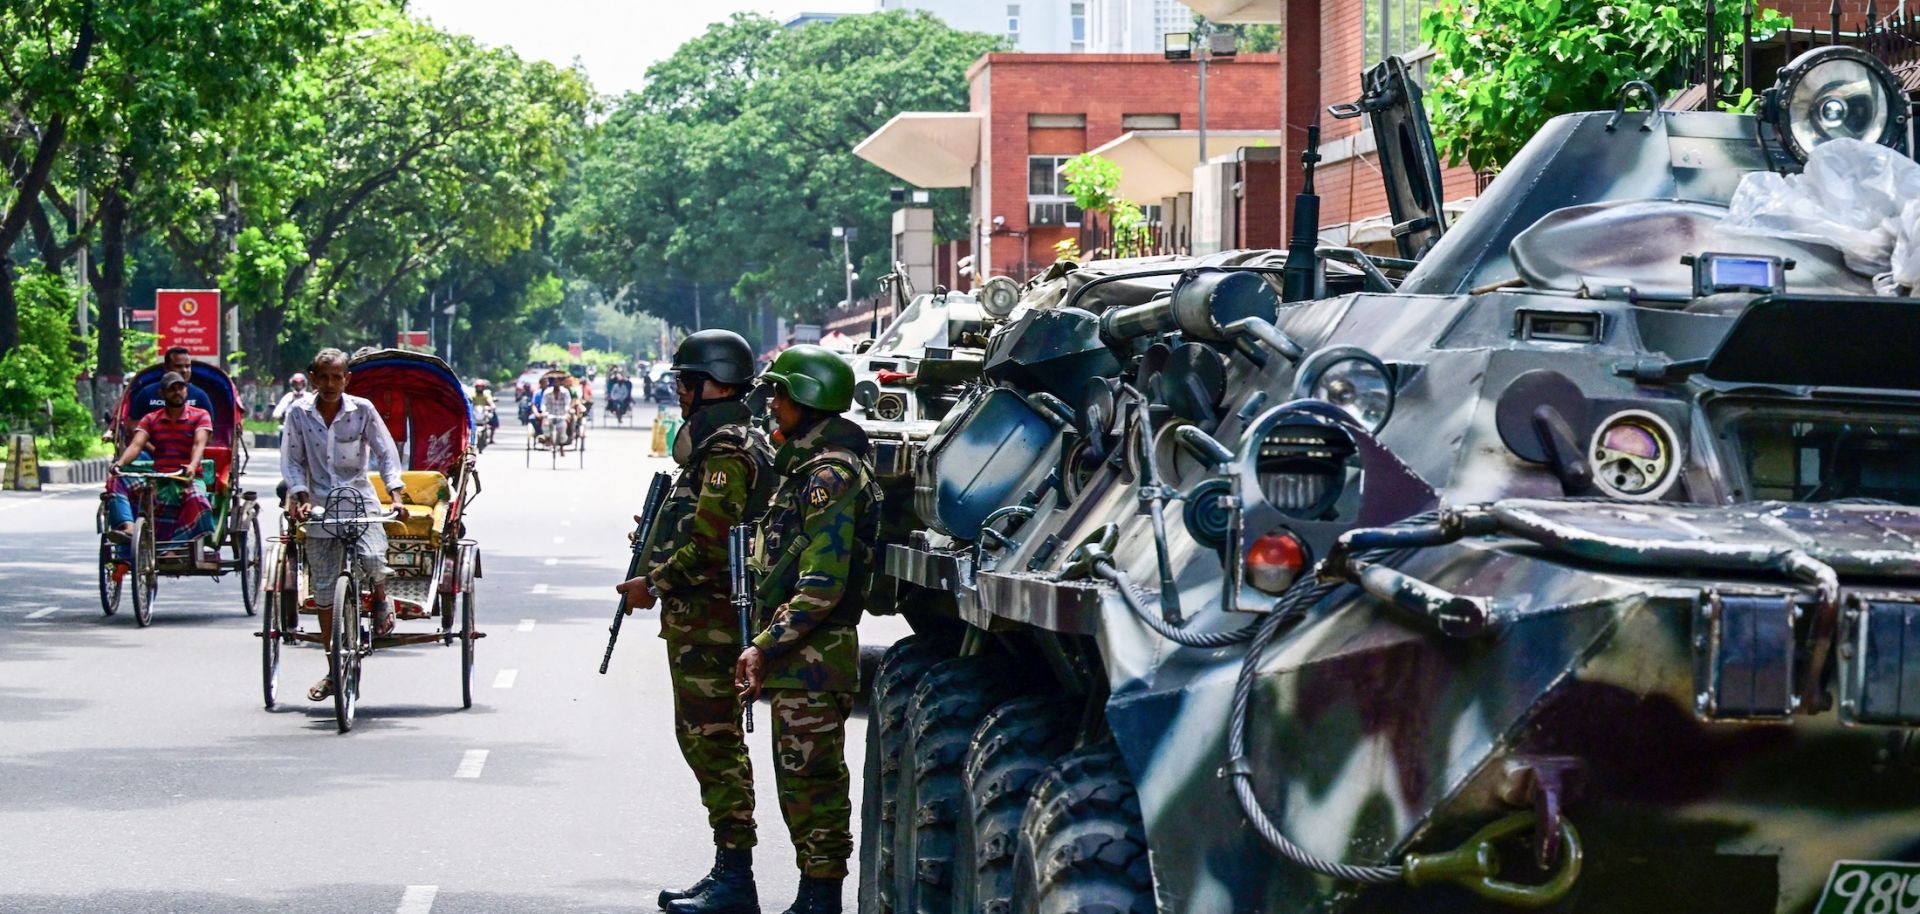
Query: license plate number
(1871, 887)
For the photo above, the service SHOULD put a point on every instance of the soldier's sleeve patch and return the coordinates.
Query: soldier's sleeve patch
(825, 485)
(717, 479)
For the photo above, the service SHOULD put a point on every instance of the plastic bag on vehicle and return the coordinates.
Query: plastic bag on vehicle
(1904, 278)
(1853, 196)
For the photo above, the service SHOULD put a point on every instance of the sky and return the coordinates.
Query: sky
(615, 39)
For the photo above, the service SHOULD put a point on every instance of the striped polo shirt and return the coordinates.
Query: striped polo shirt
(171, 440)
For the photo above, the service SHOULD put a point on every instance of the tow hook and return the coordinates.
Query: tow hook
(1475, 865)
(1544, 782)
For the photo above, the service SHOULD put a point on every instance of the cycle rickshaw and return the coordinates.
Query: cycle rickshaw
(434, 565)
(619, 399)
(552, 438)
(232, 545)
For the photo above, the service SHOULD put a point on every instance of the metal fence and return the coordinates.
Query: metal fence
(1096, 240)
(1893, 37)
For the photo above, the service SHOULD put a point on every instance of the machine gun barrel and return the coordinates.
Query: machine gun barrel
(642, 540)
(740, 581)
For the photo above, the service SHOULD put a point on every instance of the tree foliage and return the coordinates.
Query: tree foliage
(1094, 183)
(1502, 68)
(723, 177)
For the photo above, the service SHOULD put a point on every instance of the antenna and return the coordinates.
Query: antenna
(1304, 279)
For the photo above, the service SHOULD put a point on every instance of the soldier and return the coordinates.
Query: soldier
(813, 559)
(724, 468)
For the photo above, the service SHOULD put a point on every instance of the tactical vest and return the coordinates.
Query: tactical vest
(782, 537)
(683, 500)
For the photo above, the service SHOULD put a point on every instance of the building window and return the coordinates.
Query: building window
(1047, 200)
(1077, 18)
(1393, 28)
(1149, 122)
(1062, 121)
(1013, 24)
(1151, 214)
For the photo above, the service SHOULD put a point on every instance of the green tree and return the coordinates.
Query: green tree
(1502, 68)
(1262, 38)
(395, 154)
(1094, 183)
(37, 374)
(721, 180)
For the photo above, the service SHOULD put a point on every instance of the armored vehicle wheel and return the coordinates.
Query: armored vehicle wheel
(905, 662)
(948, 705)
(1082, 847)
(1013, 747)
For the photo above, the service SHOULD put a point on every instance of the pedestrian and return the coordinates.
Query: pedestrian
(178, 360)
(556, 406)
(296, 389)
(725, 467)
(177, 433)
(814, 559)
(331, 440)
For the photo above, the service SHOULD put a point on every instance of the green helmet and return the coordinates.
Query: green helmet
(814, 377)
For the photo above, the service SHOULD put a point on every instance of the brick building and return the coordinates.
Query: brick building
(1028, 113)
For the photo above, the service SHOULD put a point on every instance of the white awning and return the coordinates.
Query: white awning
(1230, 11)
(926, 148)
(1160, 163)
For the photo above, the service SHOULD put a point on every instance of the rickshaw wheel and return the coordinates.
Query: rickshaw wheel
(466, 644)
(269, 658)
(286, 570)
(343, 662)
(145, 579)
(109, 588)
(247, 551)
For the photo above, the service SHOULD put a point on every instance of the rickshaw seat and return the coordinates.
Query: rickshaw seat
(427, 516)
(222, 460)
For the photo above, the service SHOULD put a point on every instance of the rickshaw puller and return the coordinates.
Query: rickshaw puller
(330, 439)
(177, 434)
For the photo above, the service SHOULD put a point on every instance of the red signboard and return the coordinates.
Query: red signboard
(190, 318)
(413, 339)
(573, 349)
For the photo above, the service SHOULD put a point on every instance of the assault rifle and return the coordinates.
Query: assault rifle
(642, 539)
(741, 582)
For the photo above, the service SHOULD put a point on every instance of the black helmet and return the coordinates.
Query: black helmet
(722, 355)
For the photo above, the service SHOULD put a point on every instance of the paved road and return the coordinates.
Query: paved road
(140, 773)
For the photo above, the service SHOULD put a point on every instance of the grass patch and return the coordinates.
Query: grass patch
(43, 448)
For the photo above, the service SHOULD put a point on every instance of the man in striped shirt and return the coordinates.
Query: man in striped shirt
(176, 434)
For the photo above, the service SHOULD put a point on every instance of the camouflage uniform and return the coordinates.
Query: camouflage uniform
(716, 485)
(813, 560)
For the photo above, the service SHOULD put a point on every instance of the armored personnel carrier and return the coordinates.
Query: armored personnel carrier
(1569, 567)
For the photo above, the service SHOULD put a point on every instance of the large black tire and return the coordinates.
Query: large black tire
(892, 690)
(948, 705)
(1082, 847)
(1012, 748)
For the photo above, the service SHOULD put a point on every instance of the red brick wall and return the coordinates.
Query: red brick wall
(1241, 95)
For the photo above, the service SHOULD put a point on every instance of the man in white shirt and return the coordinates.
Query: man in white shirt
(330, 441)
(296, 389)
(556, 405)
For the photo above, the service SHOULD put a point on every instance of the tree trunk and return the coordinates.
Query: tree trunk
(9, 309)
(110, 283)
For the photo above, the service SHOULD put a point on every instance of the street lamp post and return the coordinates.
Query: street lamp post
(1201, 48)
(846, 234)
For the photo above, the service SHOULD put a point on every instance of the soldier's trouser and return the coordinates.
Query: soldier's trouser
(810, 750)
(706, 715)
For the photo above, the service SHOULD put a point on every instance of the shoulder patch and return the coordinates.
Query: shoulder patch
(717, 479)
(825, 484)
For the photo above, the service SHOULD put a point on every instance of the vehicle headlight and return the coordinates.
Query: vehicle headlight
(1837, 92)
(1351, 378)
(998, 297)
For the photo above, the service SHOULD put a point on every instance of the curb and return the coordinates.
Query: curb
(71, 472)
(263, 440)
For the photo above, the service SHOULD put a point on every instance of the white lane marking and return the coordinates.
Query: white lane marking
(418, 899)
(471, 763)
(558, 540)
(551, 562)
(526, 625)
(56, 494)
(43, 613)
(539, 588)
(505, 678)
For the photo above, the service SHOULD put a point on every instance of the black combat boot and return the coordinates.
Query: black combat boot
(727, 889)
(817, 896)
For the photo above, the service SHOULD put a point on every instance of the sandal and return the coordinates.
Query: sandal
(322, 690)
